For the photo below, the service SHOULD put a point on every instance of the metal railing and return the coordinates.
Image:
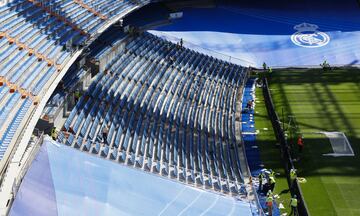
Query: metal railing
(23, 163)
(11, 150)
(39, 135)
(284, 149)
(253, 188)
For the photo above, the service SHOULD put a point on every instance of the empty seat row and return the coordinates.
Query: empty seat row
(8, 130)
(165, 109)
(37, 39)
(36, 31)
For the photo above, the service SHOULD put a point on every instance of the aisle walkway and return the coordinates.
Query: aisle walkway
(248, 129)
(249, 137)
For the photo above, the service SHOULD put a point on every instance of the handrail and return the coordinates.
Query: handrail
(28, 160)
(24, 168)
(13, 146)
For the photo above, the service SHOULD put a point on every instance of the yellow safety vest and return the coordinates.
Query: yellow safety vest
(53, 133)
(77, 94)
(293, 202)
(264, 65)
(272, 174)
(260, 176)
(272, 180)
(292, 174)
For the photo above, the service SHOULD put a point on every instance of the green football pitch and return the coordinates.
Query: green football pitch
(321, 101)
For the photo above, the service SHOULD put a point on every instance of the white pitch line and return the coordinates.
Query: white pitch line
(211, 206)
(187, 207)
(172, 201)
(232, 208)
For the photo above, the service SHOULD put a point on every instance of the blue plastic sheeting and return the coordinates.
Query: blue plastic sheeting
(88, 185)
(271, 32)
(36, 195)
(252, 154)
(249, 137)
(248, 126)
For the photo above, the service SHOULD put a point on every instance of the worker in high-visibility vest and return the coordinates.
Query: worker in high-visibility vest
(53, 133)
(293, 177)
(77, 95)
(272, 182)
(260, 176)
(294, 204)
(269, 203)
(264, 66)
(270, 71)
(272, 173)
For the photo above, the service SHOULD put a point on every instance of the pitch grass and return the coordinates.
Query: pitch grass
(323, 101)
(269, 152)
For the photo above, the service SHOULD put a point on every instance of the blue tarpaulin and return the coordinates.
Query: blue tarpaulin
(65, 181)
(280, 33)
(249, 137)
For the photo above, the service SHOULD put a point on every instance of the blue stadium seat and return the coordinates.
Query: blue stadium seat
(96, 148)
(87, 146)
(172, 116)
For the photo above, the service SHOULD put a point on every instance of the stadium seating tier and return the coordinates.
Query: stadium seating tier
(37, 39)
(169, 110)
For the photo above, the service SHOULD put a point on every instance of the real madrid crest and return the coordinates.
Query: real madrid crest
(308, 36)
